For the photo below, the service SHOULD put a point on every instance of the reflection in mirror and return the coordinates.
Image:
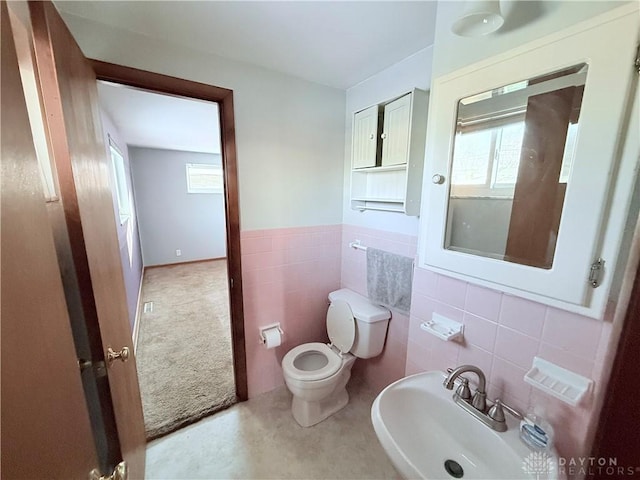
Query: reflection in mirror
(511, 163)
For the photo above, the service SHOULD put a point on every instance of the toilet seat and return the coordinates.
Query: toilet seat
(295, 359)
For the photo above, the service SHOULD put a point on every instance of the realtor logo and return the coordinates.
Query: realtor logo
(538, 463)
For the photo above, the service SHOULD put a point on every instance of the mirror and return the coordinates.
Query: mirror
(561, 211)
(510, 167)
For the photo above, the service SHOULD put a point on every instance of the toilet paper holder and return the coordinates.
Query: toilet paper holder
(269, 327)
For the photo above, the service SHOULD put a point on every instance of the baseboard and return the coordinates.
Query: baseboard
(136, 322)
(187, 262)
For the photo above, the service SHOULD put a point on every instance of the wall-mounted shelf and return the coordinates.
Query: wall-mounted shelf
(557, 381)
(388, 154)
(443, 328)
(382, 169)
(382, 200)
(387, 206)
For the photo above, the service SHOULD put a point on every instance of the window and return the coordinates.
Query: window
(203, 178)
(486, 161)
(569, 152)
(122, 188)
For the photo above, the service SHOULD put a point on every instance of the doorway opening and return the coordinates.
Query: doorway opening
(184, 356)
(177, 216)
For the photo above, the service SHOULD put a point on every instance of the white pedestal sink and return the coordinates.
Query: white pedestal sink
(426, 435)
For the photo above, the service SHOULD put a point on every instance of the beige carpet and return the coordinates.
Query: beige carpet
(184, 356)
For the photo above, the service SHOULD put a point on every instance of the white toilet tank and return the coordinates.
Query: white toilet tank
(371, 323)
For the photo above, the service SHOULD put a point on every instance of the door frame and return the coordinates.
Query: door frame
(616, 432)
(224, 98)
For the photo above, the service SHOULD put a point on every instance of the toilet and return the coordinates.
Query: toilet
(317, 373)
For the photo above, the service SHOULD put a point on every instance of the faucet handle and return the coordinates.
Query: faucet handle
(512, 411)
(463, 390)
(496, 412)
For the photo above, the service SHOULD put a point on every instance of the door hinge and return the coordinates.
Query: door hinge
(637, 62)
(120, 472)
(595, 273)
(99, 368)
(231, 281)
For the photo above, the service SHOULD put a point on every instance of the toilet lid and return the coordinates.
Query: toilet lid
(341, 325)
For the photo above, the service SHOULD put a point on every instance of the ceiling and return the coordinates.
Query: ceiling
(148, 119)
(335, 43)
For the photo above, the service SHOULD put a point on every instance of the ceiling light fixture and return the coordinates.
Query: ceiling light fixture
(480, 17)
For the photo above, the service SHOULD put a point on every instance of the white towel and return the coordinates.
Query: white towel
(389, 278)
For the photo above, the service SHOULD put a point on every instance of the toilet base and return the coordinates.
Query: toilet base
(308, 414)
(314, 401)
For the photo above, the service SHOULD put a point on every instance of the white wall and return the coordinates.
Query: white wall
(524, 21)
(412, 72)
(289, 132)
(535, 20)
(169, 217)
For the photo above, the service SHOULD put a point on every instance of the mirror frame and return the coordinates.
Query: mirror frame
(597, 199)
(498, 221)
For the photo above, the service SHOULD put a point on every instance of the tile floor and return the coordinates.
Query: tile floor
(259, 439)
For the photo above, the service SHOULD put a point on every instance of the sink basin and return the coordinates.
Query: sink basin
(420, 427)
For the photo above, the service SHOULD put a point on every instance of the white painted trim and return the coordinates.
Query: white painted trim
(136, 323)
(551, 287)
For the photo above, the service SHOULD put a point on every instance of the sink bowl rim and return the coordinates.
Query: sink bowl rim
(407, 467)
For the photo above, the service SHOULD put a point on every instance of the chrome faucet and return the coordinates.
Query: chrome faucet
(479, 399)
(476, 405)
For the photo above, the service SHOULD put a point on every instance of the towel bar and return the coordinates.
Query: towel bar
(357, 245)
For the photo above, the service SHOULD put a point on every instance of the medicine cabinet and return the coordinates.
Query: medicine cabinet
(530, 165)
(388, 154)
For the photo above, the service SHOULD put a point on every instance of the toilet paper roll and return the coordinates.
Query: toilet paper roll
(272, 337)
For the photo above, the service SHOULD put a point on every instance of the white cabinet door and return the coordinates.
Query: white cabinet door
(598, 192)
(397, 129)
(365, 137)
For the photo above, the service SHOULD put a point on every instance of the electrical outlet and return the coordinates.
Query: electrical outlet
(178, 252)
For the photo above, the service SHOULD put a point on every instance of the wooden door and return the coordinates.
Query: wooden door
(365, 138)
(617, 434)
(70, 100)
(397, 126)
(539, 195)
(46, 431)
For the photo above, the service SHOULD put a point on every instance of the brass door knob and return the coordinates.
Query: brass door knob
(120, 472)
(122, 355)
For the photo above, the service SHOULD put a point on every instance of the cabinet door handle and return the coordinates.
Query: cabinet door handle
(372, 136)
(383, 136)
(438, 179)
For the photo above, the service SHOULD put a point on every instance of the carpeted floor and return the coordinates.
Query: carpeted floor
(184, 356)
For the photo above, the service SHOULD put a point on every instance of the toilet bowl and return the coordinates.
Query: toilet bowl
(317, 373)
